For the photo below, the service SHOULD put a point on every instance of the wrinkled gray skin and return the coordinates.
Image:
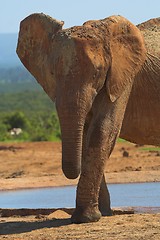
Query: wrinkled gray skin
(89, 72)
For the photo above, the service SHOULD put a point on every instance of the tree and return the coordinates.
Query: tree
(3, 132)
(53, 123)
(16, 120)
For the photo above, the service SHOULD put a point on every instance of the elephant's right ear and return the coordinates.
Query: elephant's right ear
(34, 47)
(128, 54)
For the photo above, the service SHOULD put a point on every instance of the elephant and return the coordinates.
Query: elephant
(104, 80)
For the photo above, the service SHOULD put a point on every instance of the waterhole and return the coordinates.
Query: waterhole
(122, 195)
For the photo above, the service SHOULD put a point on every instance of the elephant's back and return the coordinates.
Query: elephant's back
(151, 32)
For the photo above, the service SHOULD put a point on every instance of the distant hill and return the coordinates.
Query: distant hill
(15, 74)
(11, 68)
(8, 56)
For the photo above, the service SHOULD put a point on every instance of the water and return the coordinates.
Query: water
(122, 195)
(137, 194)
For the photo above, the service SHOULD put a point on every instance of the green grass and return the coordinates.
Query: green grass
(16, 140)
(150, 148)
(120, 140)
(54, 139)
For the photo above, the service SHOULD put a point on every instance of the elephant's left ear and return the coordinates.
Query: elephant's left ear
(128, 54)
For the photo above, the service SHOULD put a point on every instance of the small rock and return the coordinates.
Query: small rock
(138, 169)
(138, 145)
(125, 153)
(40, 216)
(122, 149)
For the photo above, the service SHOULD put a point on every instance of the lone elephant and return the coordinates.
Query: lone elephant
(105, 83)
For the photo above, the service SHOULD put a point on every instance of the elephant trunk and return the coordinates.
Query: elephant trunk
(73, 107)
(71, 148)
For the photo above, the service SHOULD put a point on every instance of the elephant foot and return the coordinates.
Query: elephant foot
(105, 211)
(88, 215)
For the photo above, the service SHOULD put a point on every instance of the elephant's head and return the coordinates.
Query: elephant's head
(74, 64)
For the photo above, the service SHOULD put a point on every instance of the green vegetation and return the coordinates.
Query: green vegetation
(39, 126)
(29, 102)
(15, 75)
(11, 87)
(152, 148)
(121, 140)
(24, 105)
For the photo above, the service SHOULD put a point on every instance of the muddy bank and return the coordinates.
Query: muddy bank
(57, 225)
(27, 165)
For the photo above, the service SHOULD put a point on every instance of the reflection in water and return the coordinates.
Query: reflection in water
(139, 194)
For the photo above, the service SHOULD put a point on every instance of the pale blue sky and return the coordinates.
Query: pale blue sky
(75, 12)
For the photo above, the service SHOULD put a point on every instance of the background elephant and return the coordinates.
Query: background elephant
(90, 71)
(141, 122)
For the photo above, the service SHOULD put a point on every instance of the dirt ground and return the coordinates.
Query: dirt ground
(30, 165)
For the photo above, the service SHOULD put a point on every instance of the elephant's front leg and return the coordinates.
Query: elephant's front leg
(101, 137)
(91, 179)
(87, 209)
(104, 203)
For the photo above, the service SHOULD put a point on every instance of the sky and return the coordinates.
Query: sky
(74, 12)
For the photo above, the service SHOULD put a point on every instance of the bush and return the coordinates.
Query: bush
(37, 127)
(3, 132)
(16, 120)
